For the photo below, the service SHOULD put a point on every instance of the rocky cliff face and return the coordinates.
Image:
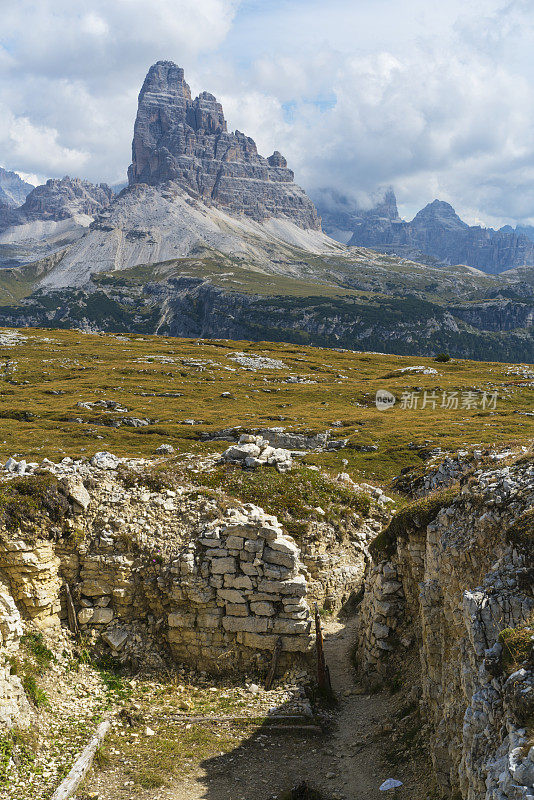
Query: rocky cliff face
(186, 141)
(59, 199)
(189, 306)
(439, 231)
(452, 581)
(13, 190)
(436, 232)
(53, 216)
(341, 216)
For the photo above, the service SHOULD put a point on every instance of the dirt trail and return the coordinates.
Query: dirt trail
(344, 764)
(359, 765)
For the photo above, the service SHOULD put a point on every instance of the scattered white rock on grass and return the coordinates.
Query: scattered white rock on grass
(419, 370)
(12, 338)
(105, 460)
(254, 451)
(256, 362)
(165, 450)
(374, 491)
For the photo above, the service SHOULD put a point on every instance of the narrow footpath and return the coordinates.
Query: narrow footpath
(346, 764)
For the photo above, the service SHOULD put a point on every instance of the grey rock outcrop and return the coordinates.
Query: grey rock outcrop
(59, 199)
(343, 219)
(53, 216)
(254, 451)
(14, 706)
(13, 190)
(455, 585)
(186, 141)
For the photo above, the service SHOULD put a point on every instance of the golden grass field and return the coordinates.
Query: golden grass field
(45, 373)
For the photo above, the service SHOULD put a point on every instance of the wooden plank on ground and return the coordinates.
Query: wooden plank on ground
(67, 788)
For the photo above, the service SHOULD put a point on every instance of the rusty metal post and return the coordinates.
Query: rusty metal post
(323, 673)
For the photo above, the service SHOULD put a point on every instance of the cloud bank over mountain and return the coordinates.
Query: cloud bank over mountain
(436, 102)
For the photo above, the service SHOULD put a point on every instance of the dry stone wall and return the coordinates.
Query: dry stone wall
(219, 602)
(160, 575)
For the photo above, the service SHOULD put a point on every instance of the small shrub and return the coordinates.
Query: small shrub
(37, 647)
(153, 480)
(442, 358)
(37, 695)
(109, 669)
(14, 664)
(516, 645)
(102, 760)
(521, 532)
(6, 751)
(149, 779)
(31, 499)
(15, 744)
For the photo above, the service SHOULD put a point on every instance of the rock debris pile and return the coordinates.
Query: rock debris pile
(255, 451)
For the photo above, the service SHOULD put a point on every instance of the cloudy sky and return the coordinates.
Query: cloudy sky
(435, 99)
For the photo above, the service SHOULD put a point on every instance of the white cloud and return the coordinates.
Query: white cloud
(31, 177)
(22, 142)
(445, 115)
(438, 101)
(94, 25)
(74, 70)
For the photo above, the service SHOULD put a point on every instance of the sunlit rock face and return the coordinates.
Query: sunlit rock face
(187, 141)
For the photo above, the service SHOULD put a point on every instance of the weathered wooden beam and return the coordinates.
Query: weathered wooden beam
(71, 611)
(78, 772)
(323, 673)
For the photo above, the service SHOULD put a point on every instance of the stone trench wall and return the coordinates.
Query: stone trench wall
(14, 706)
(448, 591)
(161, 575)
(220, 603)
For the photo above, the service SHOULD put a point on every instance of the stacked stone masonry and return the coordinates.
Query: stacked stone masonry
(171, 575)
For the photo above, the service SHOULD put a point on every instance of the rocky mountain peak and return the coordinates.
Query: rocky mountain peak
(277, 160)
(441, 213)
(187, 142)
(13, 190)
(165, 78)
(58, 199)
(206, 114)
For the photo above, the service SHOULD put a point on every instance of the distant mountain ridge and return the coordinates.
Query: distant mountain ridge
(436, 231)
(13, 190)
(51, 217)
(525, 230)
(60, 199)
